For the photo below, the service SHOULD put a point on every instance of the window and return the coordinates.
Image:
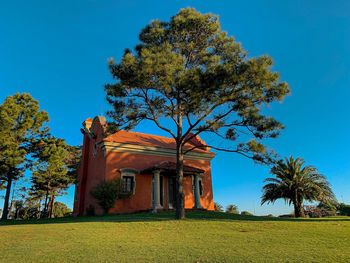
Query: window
(128, 184)
(128, 180)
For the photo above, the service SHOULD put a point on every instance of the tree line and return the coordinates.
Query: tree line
(30, 153)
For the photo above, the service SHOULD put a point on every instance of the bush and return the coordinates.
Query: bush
(62, 210)
(232, 209)
(316, 212)
(344, 209)
(246, 213)
(107, 193)
(286, 216)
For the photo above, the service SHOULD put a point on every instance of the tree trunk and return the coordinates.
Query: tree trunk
(49, 205)
(180, 197)
(17, 212)
(298, 210)
(39, 209)
(45, 204)
(52, 207)
(7, 198)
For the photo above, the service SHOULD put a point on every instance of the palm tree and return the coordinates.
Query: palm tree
(233, 209)
(217, 207)
(295, 184)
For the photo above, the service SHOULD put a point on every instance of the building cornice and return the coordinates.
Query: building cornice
(149, 150)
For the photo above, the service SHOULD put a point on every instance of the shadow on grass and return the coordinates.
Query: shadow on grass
(166, 216)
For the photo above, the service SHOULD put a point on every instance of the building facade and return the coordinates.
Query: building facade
(146, 165)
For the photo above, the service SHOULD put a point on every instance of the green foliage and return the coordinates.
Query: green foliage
(31, 212)
(295, 184)
(344, 209)
(188, 68)
(107, 193)
(21, 123)
(331, 205)
(233, 209)
(218, 207)
(62, 210)
(51, 169)
(30, 209)
(246, 213)
(54, 171)
(286, 216)
(26, 210)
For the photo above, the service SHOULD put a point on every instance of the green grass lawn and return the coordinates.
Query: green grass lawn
(202, 237)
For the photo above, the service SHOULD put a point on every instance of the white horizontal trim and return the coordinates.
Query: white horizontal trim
(150, 150)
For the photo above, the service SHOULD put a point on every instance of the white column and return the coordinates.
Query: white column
(156, 197)
(197, 197)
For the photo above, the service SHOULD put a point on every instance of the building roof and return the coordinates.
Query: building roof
(167, 165)
(137, 138)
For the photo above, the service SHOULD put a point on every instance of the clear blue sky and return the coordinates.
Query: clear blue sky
(57, 51)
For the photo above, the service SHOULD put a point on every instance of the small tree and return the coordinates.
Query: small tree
(189, 77)
(62, 210)
(246, 213)
(31, 209)
(295, 183)
(107, 193)
(218, 207)
(233, 209)
(55, 171)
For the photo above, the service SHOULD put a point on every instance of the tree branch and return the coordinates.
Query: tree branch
(154, 116)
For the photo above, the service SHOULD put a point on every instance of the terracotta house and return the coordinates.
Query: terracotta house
(146, 165)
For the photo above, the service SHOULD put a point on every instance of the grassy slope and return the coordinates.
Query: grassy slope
(202, 237)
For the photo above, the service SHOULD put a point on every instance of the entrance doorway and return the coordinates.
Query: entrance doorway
(171, 192)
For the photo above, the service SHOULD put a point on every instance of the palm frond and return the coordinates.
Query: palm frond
(295, 182)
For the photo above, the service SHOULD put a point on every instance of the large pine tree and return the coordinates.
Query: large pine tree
(21, 123)
(192, 73)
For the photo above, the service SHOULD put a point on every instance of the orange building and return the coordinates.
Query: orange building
(146, 165)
